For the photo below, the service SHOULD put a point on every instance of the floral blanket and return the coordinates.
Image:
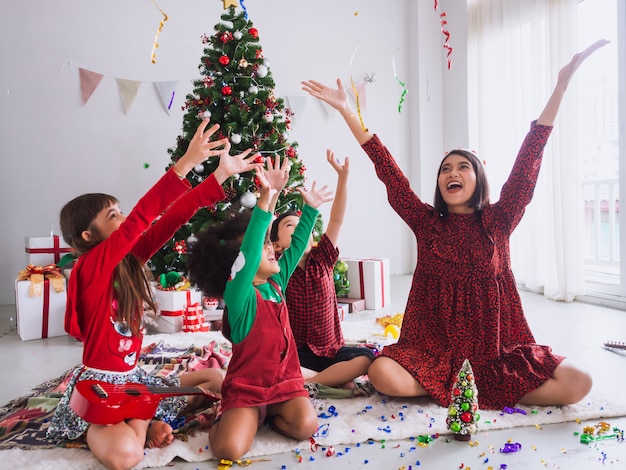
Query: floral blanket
(24, 420)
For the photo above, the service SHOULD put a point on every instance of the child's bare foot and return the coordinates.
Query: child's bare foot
(160, 434)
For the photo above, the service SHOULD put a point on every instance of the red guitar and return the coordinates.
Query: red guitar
(105, 403)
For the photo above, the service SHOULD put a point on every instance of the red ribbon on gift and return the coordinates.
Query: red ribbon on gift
(56, 250)
(382, 277)
(46, 308)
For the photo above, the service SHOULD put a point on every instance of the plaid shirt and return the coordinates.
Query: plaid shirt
(312, 302)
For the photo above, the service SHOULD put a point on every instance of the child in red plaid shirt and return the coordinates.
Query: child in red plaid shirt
(311, 298)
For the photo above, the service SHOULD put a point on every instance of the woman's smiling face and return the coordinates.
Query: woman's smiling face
(457, 183)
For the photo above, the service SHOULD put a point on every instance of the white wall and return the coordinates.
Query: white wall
(54, 148)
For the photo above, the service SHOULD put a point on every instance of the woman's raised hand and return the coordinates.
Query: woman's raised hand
(336, 98)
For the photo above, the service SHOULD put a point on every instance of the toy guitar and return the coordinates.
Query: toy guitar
(105, 403)
(614, 345)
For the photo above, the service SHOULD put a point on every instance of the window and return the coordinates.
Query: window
(601, 147)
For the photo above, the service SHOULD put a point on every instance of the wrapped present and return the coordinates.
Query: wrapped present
(193, 319)
(40, 298)
(41, 251)
(171, 308)
(342, 309)
(369, 280)
(354, 305)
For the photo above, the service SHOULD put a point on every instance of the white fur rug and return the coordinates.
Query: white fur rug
(354, 419)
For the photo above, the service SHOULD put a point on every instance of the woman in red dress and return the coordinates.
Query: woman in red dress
(463, 302)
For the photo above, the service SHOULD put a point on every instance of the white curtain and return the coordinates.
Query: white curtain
(515, 50)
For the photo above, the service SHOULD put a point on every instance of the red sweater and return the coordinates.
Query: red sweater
(90, 315)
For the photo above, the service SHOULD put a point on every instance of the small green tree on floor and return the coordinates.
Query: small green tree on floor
(236, 90)
(463, 410)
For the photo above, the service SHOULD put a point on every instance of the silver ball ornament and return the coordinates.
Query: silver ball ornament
(235, 138)
(237, 35)
(261, 71)
(199, 168)
(206, 114)
(266, 62)
(253, 89)
(191, 239)
(248, 200)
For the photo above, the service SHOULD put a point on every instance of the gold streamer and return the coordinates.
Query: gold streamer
(156, 37)
(356, 93)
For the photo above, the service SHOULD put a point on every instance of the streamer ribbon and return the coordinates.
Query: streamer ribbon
(444, 22)
(156, 37)
(402, 84)
(356, 94)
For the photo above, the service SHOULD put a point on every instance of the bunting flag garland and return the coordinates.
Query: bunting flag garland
(296, 103)
(89, 81)
(167, 92)
(128, 91)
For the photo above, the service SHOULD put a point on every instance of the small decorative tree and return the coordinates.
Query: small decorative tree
(463, 411)
(237, 91)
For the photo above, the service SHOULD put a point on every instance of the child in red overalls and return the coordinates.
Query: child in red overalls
(236, 260)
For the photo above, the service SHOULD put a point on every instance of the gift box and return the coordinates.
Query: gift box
(41, 251)
(342, 309)
(354, 305)
(40, 316)
(369, 280)
(193, 319)
(171, 308)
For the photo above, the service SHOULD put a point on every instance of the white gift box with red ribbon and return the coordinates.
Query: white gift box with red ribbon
(171, 308)
(41, 251)
(42, 316)
(370, 280)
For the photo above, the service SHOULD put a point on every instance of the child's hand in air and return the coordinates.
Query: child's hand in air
(316, 197)
(342, 170)
(233, 164)
(277, 172)
(200, 148)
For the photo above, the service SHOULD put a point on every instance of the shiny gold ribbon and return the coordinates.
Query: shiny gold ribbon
(37, 274)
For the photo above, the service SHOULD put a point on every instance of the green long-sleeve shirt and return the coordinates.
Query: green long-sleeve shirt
(240, 294)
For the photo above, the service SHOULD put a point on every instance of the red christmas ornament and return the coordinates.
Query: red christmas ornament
(227, 91)
(291, 152)
(253, 32)
(466, 417)
(457, 392)
(224, 60)
(180, 247)
(259, 159)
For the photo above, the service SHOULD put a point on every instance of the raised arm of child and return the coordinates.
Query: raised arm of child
(338, 209)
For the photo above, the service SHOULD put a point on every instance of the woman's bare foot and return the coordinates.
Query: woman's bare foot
(160, 434)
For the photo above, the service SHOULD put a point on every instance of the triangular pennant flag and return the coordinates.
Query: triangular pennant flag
(297, 103)
(166, 91)
(89, 81)
(128, 91)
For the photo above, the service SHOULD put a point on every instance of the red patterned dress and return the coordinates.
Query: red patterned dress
(463, 301)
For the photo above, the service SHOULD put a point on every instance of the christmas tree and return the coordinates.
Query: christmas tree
(236, 90)
(463, 411)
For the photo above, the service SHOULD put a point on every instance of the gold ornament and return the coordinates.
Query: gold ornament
(228, 3)
(243, 63)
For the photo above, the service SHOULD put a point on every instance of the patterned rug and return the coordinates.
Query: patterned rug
(24, 420)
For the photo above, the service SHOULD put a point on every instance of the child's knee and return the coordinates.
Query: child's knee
(230, 448)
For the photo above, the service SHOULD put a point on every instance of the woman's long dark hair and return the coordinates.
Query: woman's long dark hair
(480, 198)
(131, 279)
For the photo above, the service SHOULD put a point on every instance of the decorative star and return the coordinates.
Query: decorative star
(228, 3)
